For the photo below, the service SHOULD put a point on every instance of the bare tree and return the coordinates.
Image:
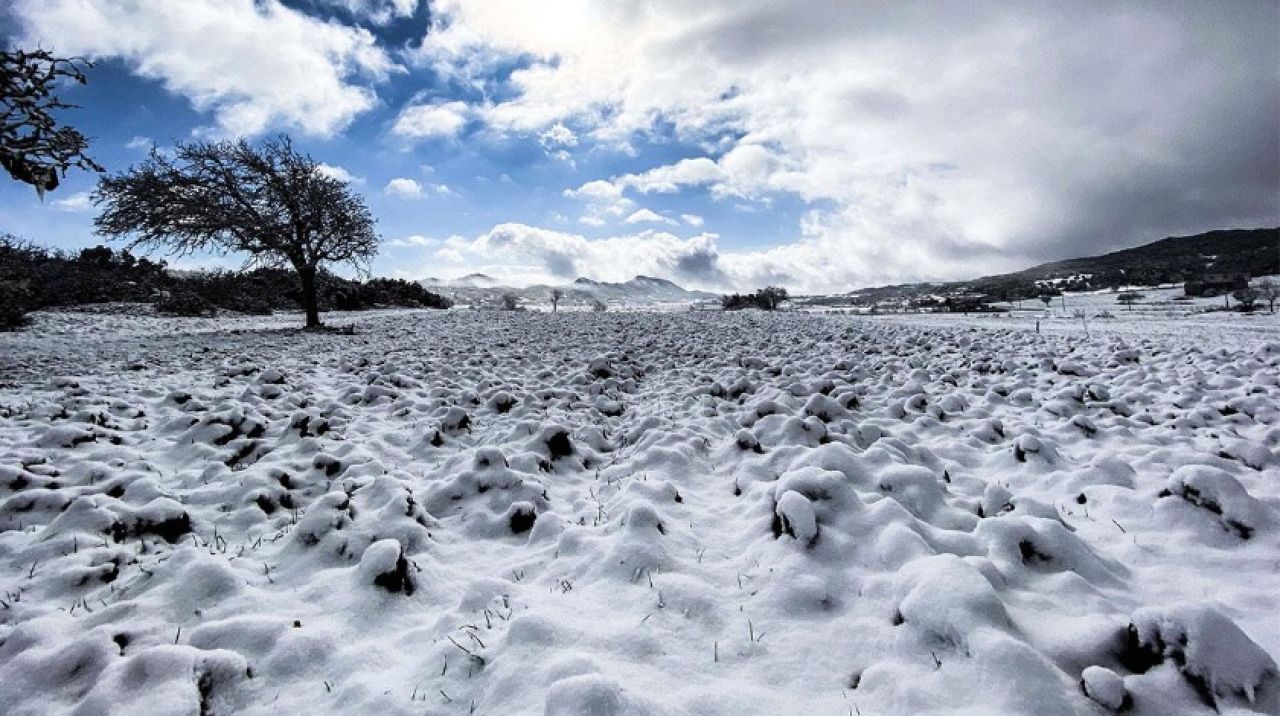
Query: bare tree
(267, 201)
(510, 301)
(1246, 297)
(1268, 290)
(556, 295)
(34, 149)
(771, 297)
(599, 306)
(768, 298)
(1129, 298)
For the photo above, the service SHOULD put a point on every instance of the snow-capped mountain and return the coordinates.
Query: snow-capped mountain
(480, 289)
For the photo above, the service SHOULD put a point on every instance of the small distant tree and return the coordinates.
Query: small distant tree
(1128, 298)
(599, 306)
(1084, 320)
(1268, 290)
(768, 298)
(1046, 299)
(510, 302)
(1247, 298)
(34, 148)
(556, 295)
(771, 297)
(268, 201)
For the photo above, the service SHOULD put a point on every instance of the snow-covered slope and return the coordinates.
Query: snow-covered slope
(518, 513)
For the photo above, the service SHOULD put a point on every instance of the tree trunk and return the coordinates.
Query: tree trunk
(310, 304)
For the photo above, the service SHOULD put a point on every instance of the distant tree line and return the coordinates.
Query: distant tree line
(769, 298)
(35, 277)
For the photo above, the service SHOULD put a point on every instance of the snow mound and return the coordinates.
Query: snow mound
(620, 513)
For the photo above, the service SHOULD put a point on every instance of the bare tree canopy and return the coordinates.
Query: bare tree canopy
(1269, 291)
(1129, 298)
(769, 298)
(267, 201)
(556, 295)
(34, 149)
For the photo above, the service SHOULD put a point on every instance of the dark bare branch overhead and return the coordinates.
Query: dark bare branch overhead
(34, 148)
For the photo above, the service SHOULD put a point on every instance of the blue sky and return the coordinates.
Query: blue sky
(825, 146)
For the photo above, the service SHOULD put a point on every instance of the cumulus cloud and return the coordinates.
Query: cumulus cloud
(648, 216)
(538, 254)
(559, 135)
(377, 12)
(78, 203)
(415, 240)
(404, 188)
(426, 121)
(604, 202)
(339, 173)
(256, 65)
(692, 219)
(746, 171)
(549, 255)
(929, 141)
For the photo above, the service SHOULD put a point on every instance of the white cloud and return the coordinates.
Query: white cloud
(415, 240)
(404, 188)
(557, 255)
(140, 143)
(339, 173)
(256, 65)
(426, 121)
(558, 135)
(642, 216)
(538, 254)
(692, 219)
(1026, 131)
(79, 203)
(670, 178)
(597, 190)
(604, 202)
(747, 171)
(378, 12)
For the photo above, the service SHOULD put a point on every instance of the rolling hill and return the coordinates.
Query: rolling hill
(1169, 260)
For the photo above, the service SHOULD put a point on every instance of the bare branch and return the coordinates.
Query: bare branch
(33, 148)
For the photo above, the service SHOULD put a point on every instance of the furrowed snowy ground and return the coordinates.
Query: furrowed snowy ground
(450, 512)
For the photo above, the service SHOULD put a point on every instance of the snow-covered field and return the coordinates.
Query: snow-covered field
(504, 513)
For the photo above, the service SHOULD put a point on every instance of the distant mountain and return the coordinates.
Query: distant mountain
(1170, 260)
(480, 289)
(641, 289)
(477, 280)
